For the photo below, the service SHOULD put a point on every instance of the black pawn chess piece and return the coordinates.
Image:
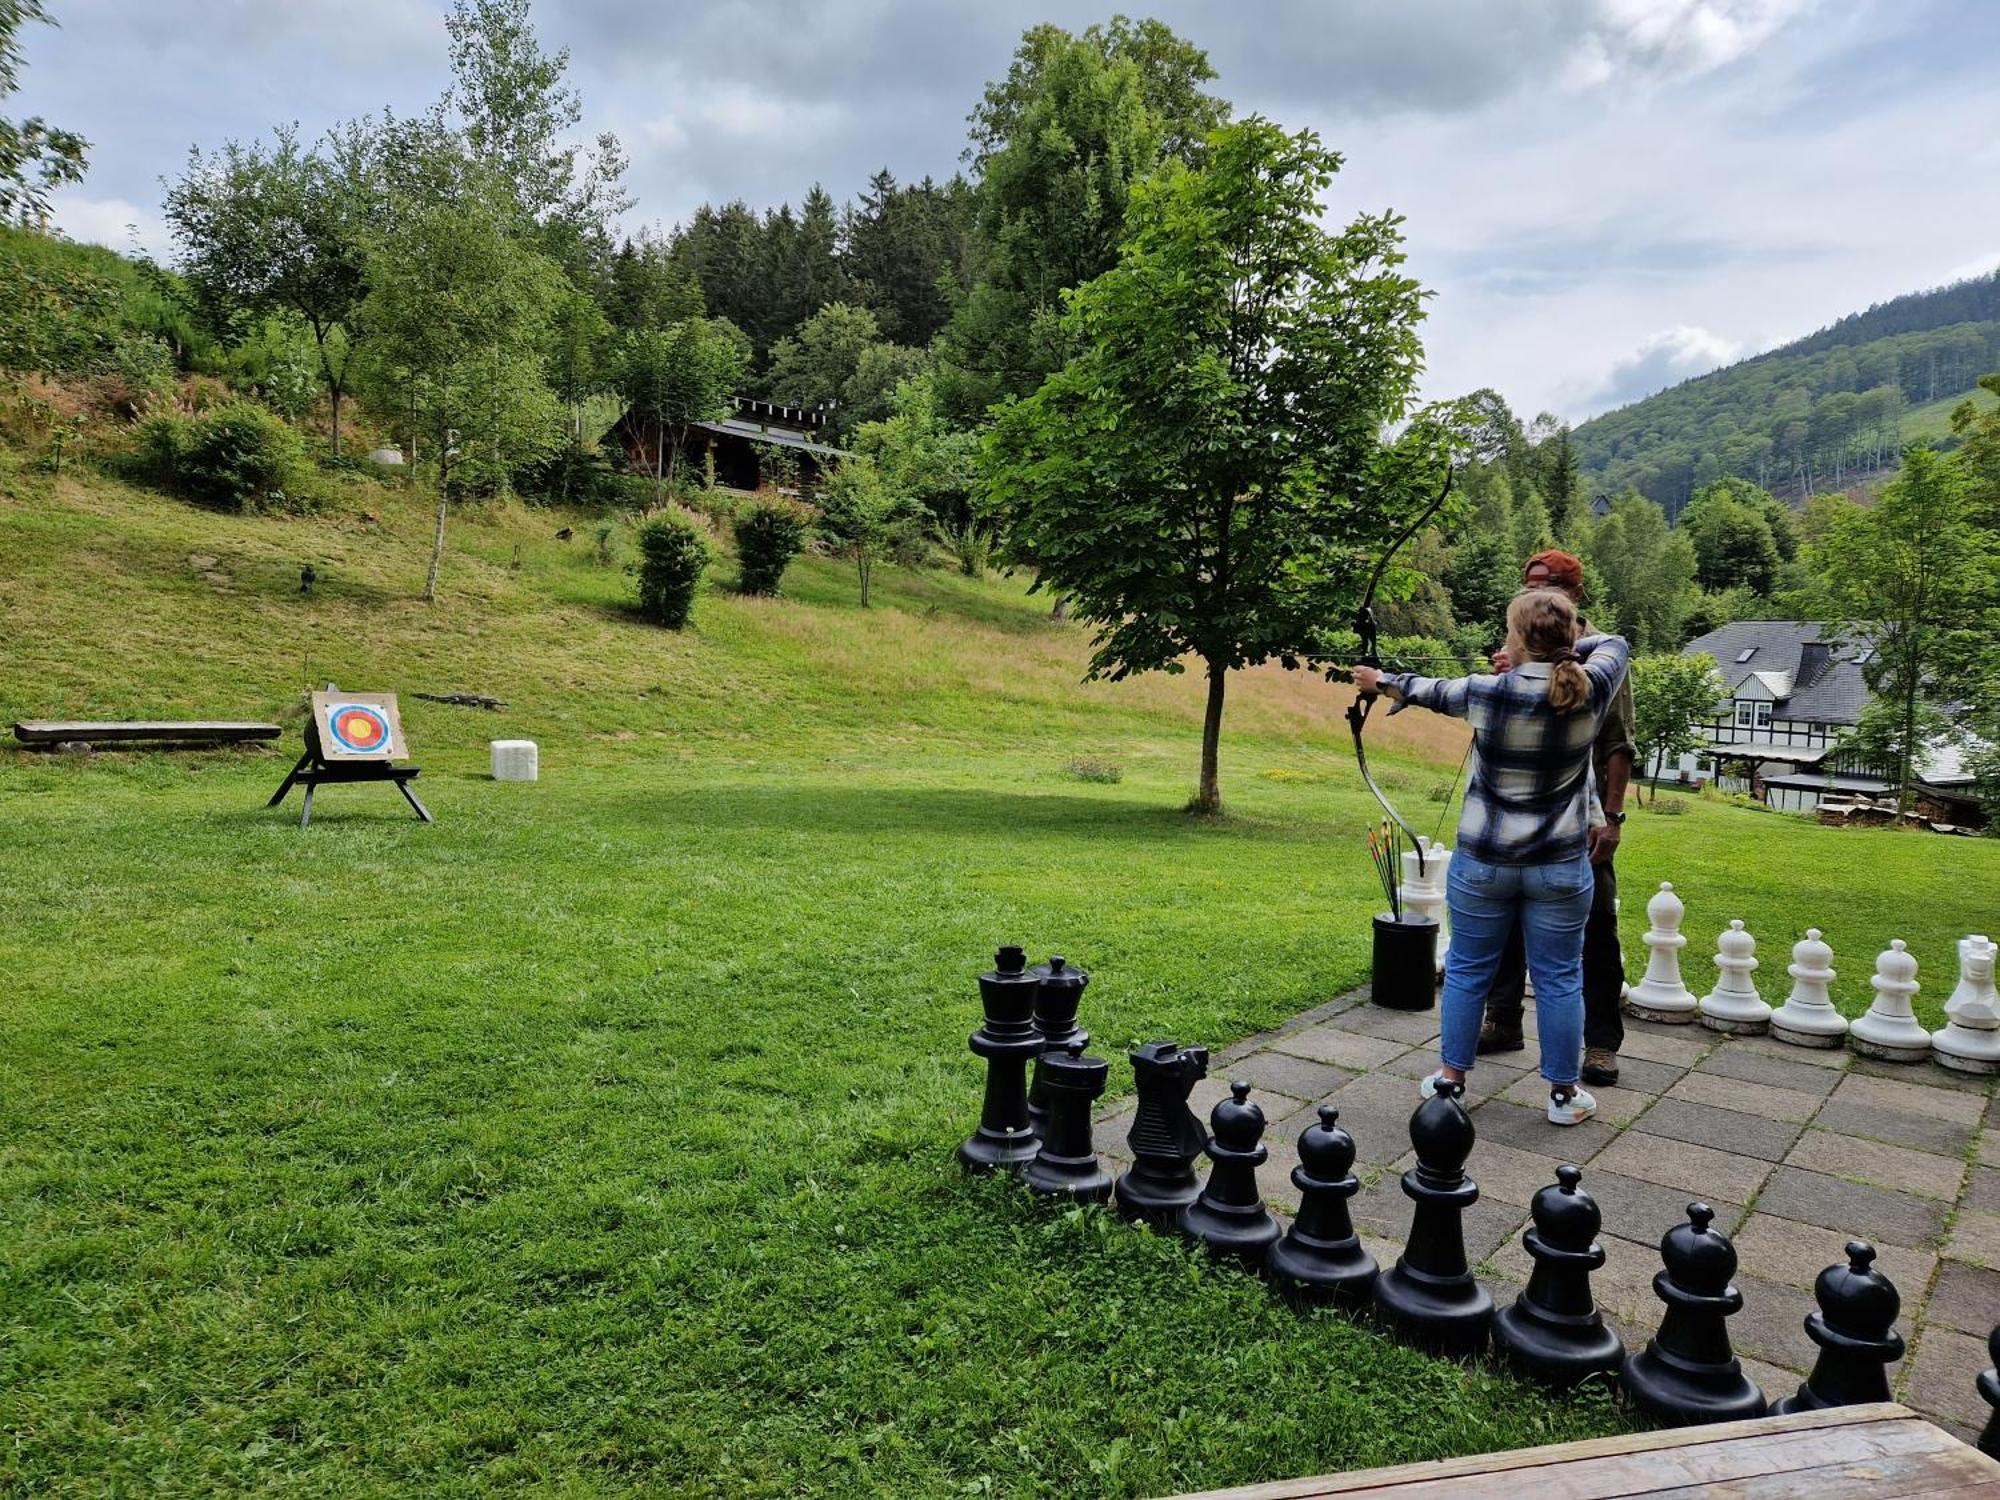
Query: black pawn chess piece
(1056, 1003)
(1067, 1165)
(1165, 1136)
(1554, 1332)
(1229, 1217)
(1989, 1392)
(1687, 1373)
(1855, 1329)
(1008, 1041)
(1320, 1258)
(1429, 1297)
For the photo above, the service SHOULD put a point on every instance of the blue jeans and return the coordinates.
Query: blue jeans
(1551, 903)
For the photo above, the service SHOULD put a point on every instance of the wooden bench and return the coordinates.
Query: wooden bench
(42, 733)
(1843, 1453)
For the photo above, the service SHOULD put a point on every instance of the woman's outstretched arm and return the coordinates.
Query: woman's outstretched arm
(1444, 695)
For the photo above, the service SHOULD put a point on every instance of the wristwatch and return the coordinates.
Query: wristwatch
(1617, 817)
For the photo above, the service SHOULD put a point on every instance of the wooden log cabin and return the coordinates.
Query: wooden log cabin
(734, 442)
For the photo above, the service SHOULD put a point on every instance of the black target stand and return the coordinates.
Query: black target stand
(314, 770)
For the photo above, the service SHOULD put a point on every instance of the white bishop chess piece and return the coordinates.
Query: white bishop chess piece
(1423, 889)
(1889, 1030)
(1807, 1018)
(1970, 1041)
(1734, 1005)
(1659, 995)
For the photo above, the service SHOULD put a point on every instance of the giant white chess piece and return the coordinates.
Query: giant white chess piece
(1734, 1004)
(1807, 1017)
(1659, 995)
(1970, 1041)
(1423, 889)
(1889, 1030)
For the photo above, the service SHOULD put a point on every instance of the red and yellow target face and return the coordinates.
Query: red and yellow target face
(359, 728)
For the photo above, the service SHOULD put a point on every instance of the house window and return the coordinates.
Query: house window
(1745, 654)
(1746, 713)
(1763, 716)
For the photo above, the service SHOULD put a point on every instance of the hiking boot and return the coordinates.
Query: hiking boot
(1494, 1037)
(1570, 1105)
(1600, 1066)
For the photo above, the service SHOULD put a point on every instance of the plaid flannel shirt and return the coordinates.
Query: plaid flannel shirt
(1529, 797)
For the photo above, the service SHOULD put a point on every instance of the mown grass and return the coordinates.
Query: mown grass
(598, 1137)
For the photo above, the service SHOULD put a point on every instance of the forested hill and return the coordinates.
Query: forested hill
(1819, 413)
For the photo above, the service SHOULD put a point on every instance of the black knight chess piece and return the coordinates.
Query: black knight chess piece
(1855, 1329)
(1554, 1332)
(1429, 1297)
(1989, 1392)
(1687, 1373)
(1067, 1165)
(1165, 1137)
(1229, 1217)
(1320, 1258)
(1009, 1041)
(1056, 1002)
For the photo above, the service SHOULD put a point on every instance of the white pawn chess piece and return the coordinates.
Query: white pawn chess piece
(1970, 1041)
(1807, 1018)
(1889, 1030)
(1659, 995)
(1734, 1005)
(1423, 889)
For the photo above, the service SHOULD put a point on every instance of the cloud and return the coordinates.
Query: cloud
(116, 222)
(1665, 358)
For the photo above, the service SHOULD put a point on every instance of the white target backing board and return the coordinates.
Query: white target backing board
(358, 726)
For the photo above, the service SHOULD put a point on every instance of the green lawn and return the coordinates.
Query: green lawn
(598, 1137)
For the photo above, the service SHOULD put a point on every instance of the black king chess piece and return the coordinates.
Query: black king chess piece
(1067, 1164)
(1855, 1329)
(1989, 1392)
(1229, 1217)
(1687, 1373)
(1429, 1296)
(1056, 1001)
(1320, 1258)
(1165, 1136)
(1008, 1041)
(1554, 1332)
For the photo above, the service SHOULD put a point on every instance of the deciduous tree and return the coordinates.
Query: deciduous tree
(1672, 697)
(36, 157)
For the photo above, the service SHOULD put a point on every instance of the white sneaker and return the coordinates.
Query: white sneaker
(1574, 1110)
(1435, 1084)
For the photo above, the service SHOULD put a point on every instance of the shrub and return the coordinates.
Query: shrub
(238, 457)
(673, 555)
(1671, 807)
(1087, 768)
(768, 536)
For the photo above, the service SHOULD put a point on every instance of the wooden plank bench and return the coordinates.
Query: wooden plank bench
(1844, 1453)
(42, 733)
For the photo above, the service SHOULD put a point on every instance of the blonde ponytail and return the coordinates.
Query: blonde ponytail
(1541, 626)
(1569, 689)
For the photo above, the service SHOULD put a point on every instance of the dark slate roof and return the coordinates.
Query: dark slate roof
(1836, 696)
(782, 437)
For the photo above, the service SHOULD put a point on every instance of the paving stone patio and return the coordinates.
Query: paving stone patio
(1797, 1150)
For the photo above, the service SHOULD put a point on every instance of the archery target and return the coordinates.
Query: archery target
(358, 726)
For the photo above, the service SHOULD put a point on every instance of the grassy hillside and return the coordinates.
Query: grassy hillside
(597, 1138)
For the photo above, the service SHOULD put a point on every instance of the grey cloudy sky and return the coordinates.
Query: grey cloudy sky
(1606, 195)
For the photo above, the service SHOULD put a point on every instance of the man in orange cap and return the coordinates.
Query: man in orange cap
(1603, 962)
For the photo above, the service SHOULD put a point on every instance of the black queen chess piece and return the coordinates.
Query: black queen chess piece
(1057, 998)
(1430, 1297)
(1229, 1217)
(1009, 1041)
(1553, 1332)
(1320, 1258)
(1165, 1136)
(1989, 1392)
(1855, 1328)
(1067, 1165)
(1687, 1373)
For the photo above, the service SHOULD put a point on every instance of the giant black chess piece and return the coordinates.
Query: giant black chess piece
(1067, 1164)
(1687, 1373)
(1989, 1392)
(1429, 1296)
(1554, 1331)
(1320, 1258)
(1229, 1217)
(1059, 994)
(1855, 1329)
(1008, 1041)
(1165, 1136)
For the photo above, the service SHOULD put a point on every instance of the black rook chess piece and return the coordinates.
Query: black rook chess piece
(1855, 1329)
(1165, 1136)
(1554, 1331)
(1067, 1165)
(1229, 1217)
(1320, 1258)
(1056, 1001)
(1429, 1296)
(1989, 1392)
(1687, 1373)
(1009, 1042)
